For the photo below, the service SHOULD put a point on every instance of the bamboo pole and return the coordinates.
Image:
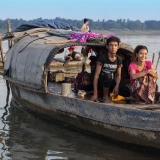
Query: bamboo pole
(1, 50)
(60, 42)
(158, 61)
(84, 64)
(9, 30)
(85, 53)
(153, 58)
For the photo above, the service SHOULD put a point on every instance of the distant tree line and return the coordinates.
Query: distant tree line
(94, 25)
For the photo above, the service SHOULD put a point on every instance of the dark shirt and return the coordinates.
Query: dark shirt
(109, 67)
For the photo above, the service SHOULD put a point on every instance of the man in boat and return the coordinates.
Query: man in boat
(108, 73)
(72, 55)
(85, 27)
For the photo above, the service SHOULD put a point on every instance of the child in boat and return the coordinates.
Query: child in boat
(109, 64)
(85, 27)
(143, 76)
(72, 55)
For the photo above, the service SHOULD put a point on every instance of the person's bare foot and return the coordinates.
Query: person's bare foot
(94, 100)
(107, 100)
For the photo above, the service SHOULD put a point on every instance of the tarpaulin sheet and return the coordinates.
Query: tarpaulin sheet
(46, 24)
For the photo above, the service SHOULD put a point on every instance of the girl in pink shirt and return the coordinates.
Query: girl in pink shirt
(142, 76)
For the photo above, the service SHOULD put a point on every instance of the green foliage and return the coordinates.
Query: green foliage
(94, 25)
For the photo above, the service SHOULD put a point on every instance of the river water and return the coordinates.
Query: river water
(24, 136)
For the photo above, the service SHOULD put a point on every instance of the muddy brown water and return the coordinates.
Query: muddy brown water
(24, 136)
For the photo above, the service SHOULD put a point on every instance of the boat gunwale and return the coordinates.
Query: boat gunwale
(150, 147)
(90, 118)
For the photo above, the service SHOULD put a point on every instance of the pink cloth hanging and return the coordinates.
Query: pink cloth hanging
(82, 37)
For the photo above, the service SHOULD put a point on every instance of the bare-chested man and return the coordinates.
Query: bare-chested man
(85, 27)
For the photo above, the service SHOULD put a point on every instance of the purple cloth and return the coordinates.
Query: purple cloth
(82, 37)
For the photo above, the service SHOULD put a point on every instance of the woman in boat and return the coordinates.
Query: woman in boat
(72, 55)
(143, 76)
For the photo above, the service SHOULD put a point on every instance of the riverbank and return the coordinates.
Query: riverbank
(120, 32)
(129, 32)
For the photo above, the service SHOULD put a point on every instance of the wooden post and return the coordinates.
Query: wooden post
(9, 30)
(84, 64)
(158, 61)
(1, 50)
(84, 51)
(153, 58)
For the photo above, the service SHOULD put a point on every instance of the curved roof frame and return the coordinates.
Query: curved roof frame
(58, 48)
(55, 50)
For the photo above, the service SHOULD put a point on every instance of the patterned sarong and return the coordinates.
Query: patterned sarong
(143, 89)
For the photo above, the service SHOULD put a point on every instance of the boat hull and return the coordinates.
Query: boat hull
(103, 120)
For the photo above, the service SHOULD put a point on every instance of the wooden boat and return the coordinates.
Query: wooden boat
(26, 69)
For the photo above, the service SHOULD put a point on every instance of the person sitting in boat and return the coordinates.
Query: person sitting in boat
(85, 27)
(107, 65)
(143, 76)
(72, 55)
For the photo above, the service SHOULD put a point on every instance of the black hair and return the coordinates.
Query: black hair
(86, 20)
(136, 51)
(113, 39)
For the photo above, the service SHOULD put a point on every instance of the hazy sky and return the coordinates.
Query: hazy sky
(79, 9)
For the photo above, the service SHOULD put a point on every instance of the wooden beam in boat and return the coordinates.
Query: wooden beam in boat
(84, 64)
(1, 50)
(158, 61)
(60, 42)
(153, 58)
(9, 30)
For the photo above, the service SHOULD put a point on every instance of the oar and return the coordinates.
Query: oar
(158, 61)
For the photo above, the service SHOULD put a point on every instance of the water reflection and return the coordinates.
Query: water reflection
(3, 124)
(31, 137)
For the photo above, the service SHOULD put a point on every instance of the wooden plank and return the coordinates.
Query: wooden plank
(61, 42)
(153, 56)
(158, 60)
(1, 50)
(9, 30)
(8, 58)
